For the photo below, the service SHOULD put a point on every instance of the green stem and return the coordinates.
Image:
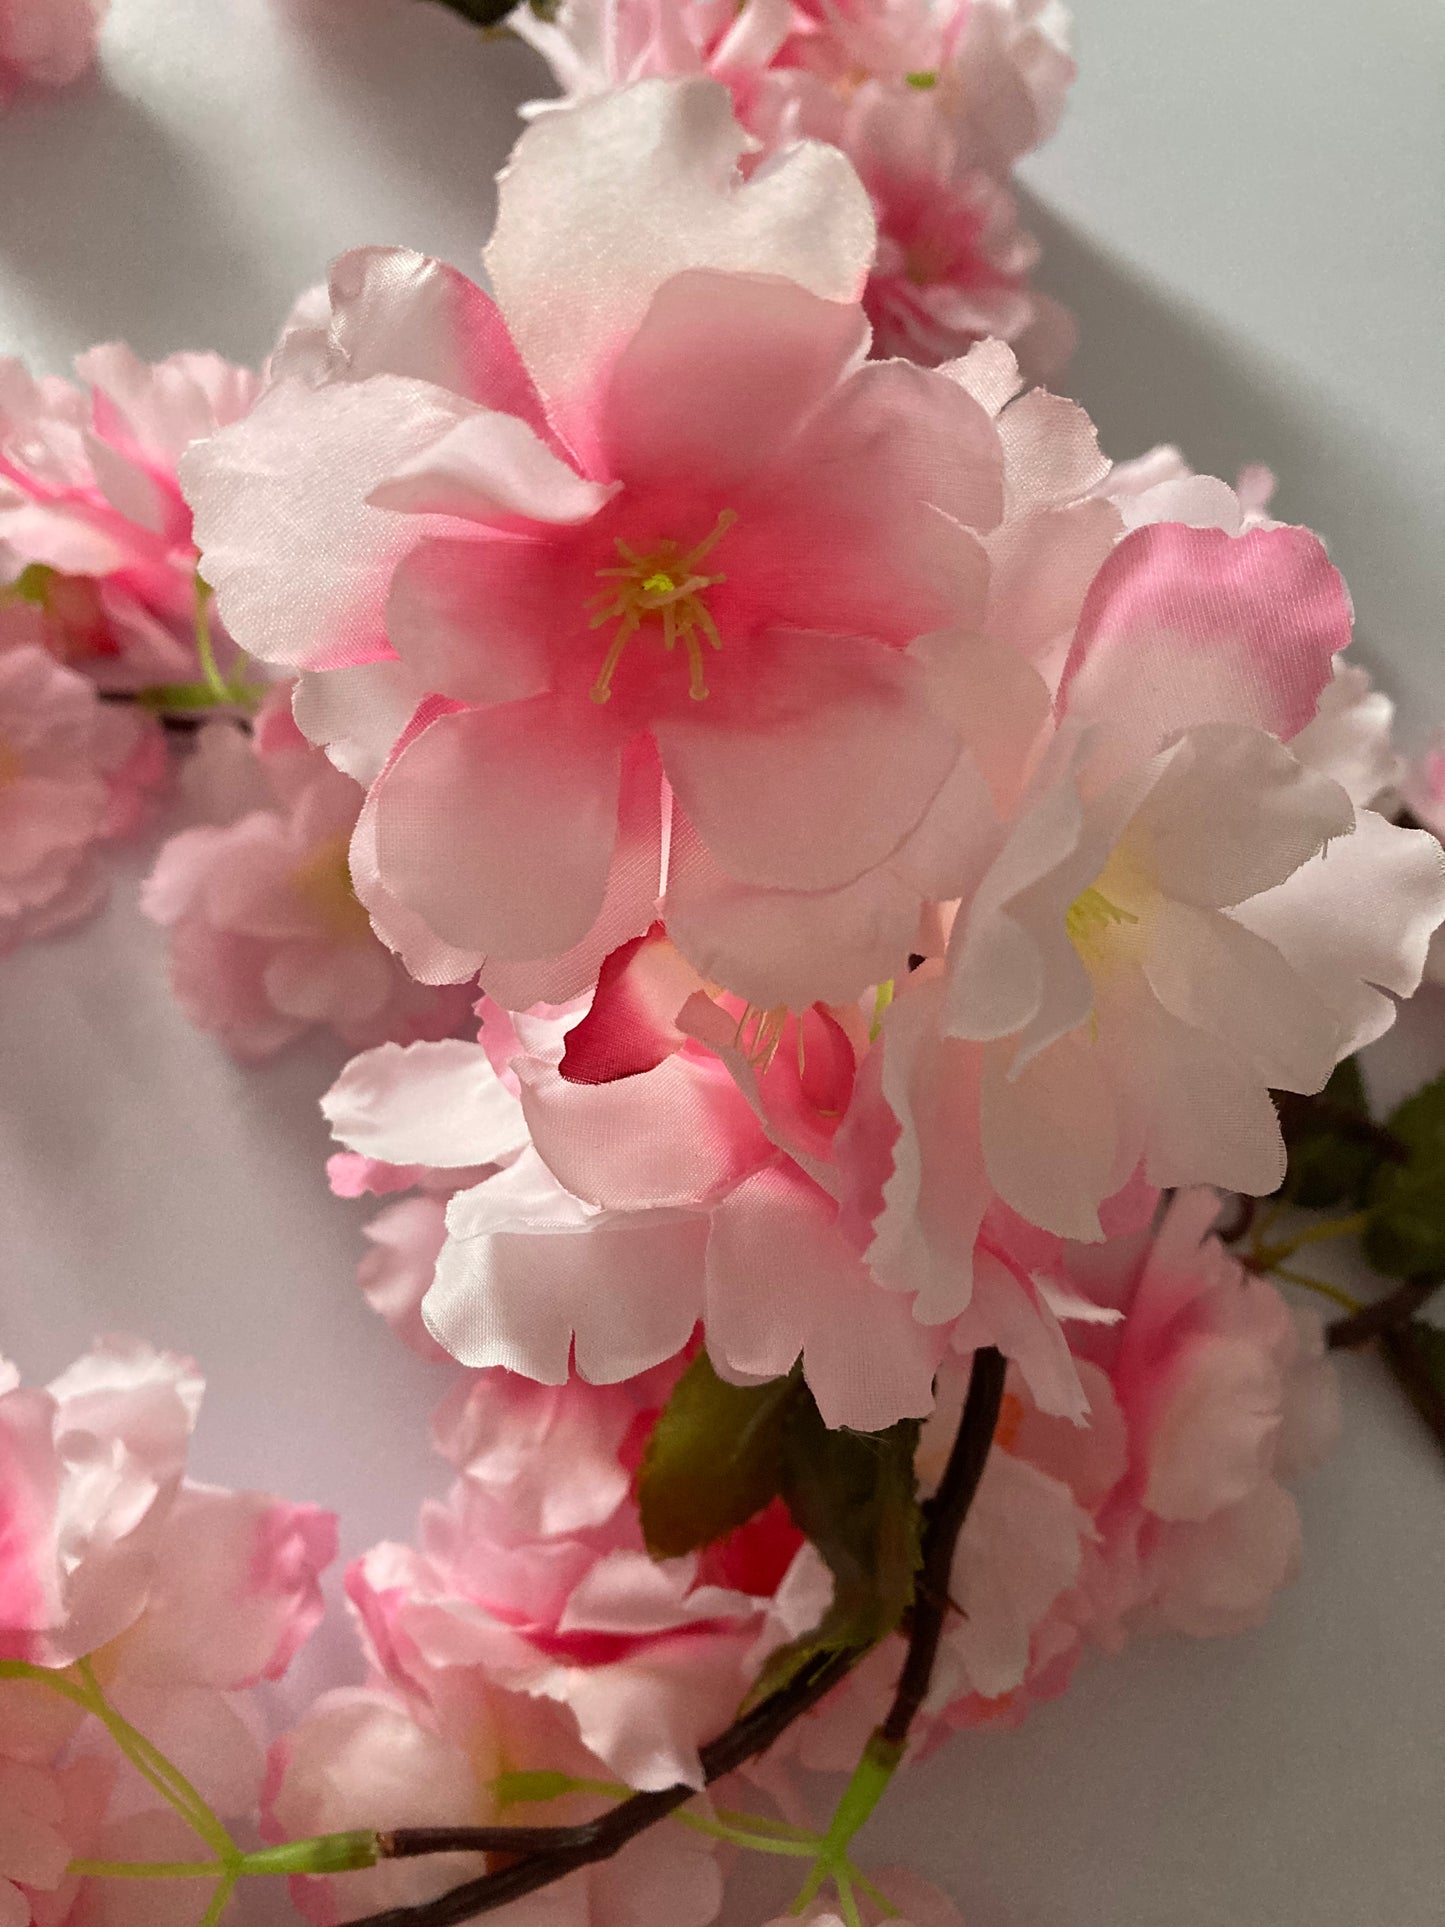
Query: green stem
(1270, 1257)
(162, 1774)
(739, 1837)
(205, 646)
(1317, 1284)
(220, 1899)
(870, 1779)
(146, 1869)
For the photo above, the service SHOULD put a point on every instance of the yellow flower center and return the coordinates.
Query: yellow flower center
(1089, 919)
(665, 585)
(323, 882)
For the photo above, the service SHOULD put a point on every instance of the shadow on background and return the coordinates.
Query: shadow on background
(1151, 368)
(114, 232)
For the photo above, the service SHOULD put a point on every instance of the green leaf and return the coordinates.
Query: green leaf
(1406, 1236)
(854, 1494)
(714, 1459)
(1328, 1164)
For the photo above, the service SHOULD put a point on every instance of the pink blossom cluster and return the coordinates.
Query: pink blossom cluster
(907, 845)
(98, 600)
(46, 43)
(267, 937)
(75, 773)
(179, 1598)
(531, 1633)
(1168, 1512)
(97, 563)
(933, 101)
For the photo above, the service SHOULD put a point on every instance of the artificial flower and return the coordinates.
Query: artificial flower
(96, 557)
(46, 43)
(267, 938)
(75, 772)
(702, 554)
(179, 1597)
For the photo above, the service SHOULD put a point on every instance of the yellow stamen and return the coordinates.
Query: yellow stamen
(662, 583)
(1090, 916)
(323, 882)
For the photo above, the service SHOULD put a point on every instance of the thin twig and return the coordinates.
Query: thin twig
(1385, 1315)
(1421, 1390)
(947, 1511)
(548, 1854)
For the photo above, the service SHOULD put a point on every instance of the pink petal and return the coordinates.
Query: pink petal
(1242, 629)
(497, 826)
(810, 762)
(645, 183)
(281, 498)
(719, 375)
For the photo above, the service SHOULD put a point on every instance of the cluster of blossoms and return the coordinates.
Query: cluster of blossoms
(267, 938)
(933, 101)
(46, 43)
(808, 852)
(531, 1634)
(909, 845)
(99, 602)
(132, 1600)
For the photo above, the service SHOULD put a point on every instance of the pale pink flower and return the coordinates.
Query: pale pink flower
(75, 772)
(1162, 938)
(724, 587)
(532, 1632)
(181, 1596)
(374, 1757)
(46, 43)
(95, 538)
(267, 937)
(932, 104)
(1223, 1394)
(671, 1159)
(89, 1469)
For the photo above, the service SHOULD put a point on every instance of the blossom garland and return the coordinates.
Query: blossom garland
(856, 914)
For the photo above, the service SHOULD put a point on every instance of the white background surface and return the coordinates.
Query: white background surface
(1244, 210)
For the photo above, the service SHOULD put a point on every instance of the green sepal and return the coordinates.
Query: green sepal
(714, 1459)
(855, 1495)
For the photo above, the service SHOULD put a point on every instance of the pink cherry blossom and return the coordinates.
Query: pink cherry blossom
(932, 104)
(669, 1159)
(46, 43)
(267, 937)
(95, 538)
(181, 1596)
(727, 583)
(531, 1632)
(74, 773)
(91, 1467)
(1161, 939)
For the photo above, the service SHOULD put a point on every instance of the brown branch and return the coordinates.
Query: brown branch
(1386, 1315)
(1419, 1387)
(947, 1510)
(548, 1854)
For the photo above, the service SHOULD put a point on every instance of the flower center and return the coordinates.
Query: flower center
(1089, 919)
(323, 883)
(664, 584)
